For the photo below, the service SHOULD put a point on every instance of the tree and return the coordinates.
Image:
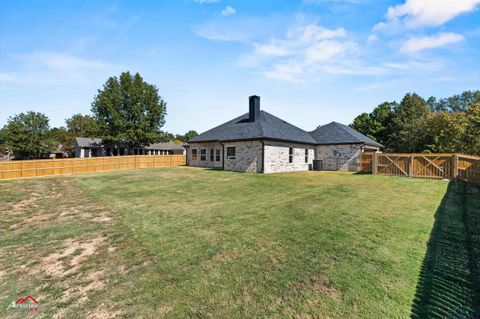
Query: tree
(472, 133)
(27, 134)
(2, 142)
(408, 125)
(187, 136)
(61, 137)
(377, 124)
(82, 126)
(444, 132)
(166, 137)
(128, 110)
(77, 126)
(456, 103)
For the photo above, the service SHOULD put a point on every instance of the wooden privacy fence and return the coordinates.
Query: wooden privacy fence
(431, 166)
(32, 168)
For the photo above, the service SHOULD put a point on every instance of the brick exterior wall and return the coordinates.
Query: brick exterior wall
(339, 157)
(207, 162)
(277, 157)
(248, 157)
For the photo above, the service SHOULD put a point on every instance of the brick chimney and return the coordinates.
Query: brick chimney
(254, 108)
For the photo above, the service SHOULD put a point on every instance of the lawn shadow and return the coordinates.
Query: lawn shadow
(449, 282)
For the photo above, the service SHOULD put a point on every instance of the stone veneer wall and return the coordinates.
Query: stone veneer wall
(277, 157)
(248, 157)
(339, 157)
(207, 162)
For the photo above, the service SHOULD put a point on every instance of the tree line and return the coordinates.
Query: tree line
(416, 125)
(126, 110)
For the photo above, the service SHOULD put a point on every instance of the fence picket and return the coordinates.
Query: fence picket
(31, 168)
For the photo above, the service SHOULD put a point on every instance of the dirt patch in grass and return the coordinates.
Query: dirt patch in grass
(320, 285)
(70, 260)
(61, 257)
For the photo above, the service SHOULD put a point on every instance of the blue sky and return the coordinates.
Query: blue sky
(311, 61)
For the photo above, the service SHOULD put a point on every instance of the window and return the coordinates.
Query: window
(194, 154)
(231, 152)
(306, 155)
(203, 154)
(290, 154)
(212, 154)
(217, 155)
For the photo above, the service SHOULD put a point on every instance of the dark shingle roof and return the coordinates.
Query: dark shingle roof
(336, 133)
(266, 127)
(88, 142)
(165, 146)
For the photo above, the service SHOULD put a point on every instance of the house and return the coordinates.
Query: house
(93, 147)
(261, 142)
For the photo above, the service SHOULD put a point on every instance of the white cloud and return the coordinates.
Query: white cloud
(56, 69)
(301, 53)
(417, 44)
(372, 38)
(319, 2)
(271, 49)
(62, 62)
(425, 13)
(206, 1)
(228, 11)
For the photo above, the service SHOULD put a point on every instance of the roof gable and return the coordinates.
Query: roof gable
(336, 133)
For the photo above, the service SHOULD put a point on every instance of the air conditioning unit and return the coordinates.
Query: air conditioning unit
(318, 165)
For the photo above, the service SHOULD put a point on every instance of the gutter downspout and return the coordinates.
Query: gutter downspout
(223, 156)
(263, 156)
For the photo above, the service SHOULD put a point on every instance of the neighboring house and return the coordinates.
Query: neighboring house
(260, 142)
(88, 147)
(59, 152)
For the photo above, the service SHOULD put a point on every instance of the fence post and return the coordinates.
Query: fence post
(410, 166)
(455, 166)
(374, 163)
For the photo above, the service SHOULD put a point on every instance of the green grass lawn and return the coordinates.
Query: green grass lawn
(192, 243)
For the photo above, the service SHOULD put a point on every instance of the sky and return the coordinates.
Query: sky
(311, 61)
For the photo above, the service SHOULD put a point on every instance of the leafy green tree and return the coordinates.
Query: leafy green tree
(408, 125)
(166, 137)
(457, 103)
(128, 110)
(28, 134)
(472, 133)
(187, 136)
(2, 142)
(82, 126)
(377, 124)
(444, 132)
(63, 139)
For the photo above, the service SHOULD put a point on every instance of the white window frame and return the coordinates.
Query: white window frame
(212, 155)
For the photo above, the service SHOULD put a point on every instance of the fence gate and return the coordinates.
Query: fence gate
(431, 166)
(393, 164)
